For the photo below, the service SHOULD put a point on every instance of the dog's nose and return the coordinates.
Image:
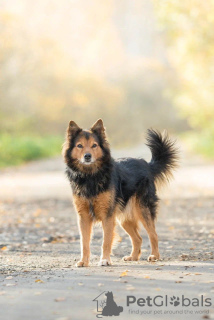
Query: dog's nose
(87, 157)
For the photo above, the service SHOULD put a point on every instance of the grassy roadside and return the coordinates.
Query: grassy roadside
(17, 149)
(199, 143)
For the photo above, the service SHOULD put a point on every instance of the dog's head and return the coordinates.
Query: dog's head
(109, 294)
(86, 150)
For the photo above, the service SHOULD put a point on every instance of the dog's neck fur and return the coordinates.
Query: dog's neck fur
(90, 184)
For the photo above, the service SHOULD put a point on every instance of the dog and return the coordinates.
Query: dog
(111, 308)
(107, 190)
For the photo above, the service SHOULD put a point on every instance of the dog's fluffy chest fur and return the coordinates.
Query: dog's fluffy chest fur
(98, 207)
(89, 186)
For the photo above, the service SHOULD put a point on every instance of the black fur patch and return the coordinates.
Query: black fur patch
(91, 209)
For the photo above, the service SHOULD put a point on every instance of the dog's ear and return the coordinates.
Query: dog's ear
(98, 128)
(73, 129)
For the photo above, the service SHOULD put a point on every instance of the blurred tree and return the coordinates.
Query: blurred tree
(73, 60)
(188, 26)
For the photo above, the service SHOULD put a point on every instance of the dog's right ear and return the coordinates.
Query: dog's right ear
(73, 129)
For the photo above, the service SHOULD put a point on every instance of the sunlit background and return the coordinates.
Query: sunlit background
(134, 63)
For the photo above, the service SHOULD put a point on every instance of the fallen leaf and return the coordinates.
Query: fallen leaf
(37, 212)
(123, 274)
(60, 299)
(100, 284)
(130, 288)
(39, 281)
(4, 248)
(171, 228)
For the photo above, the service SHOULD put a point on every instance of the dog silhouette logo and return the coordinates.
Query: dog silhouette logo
(106, 306)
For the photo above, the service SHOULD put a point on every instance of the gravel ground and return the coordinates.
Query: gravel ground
(39, 245)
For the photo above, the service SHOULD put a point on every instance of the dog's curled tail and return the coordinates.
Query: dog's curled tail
(164, 155)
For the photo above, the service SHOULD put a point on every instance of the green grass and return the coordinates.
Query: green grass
(201, 143)
(15, 150)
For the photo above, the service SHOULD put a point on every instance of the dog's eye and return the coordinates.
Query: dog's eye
(94, 145)
(79, 146)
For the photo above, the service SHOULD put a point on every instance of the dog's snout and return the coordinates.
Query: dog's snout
(87, 157)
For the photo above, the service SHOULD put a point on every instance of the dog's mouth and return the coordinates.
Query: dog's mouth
(87, 162)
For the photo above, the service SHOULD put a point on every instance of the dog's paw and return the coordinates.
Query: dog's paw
(81, 264)
(105, 262)
(153, 258)
(129, 258)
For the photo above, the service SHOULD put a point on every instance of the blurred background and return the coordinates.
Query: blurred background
(135, 63)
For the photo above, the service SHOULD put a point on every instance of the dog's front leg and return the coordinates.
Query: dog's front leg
(108, 224)
(85, 226)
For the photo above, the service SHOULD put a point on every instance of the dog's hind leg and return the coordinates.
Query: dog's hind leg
(149, 225)
(132, 229)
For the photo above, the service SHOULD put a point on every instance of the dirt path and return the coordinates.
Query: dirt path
(39, 245)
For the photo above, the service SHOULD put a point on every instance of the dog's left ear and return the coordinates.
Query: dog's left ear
(98, 127)
(73, 129)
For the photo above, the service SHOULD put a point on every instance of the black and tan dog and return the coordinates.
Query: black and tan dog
(107, 190)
